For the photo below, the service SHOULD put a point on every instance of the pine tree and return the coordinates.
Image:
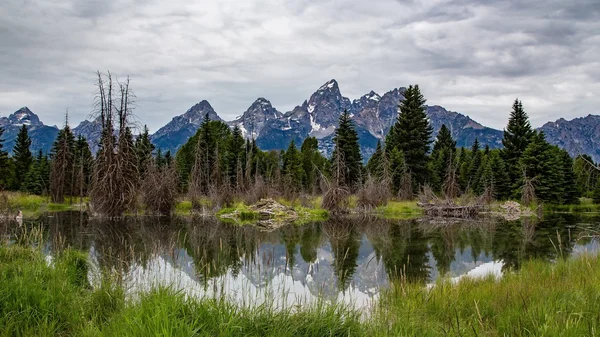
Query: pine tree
(235, 158)
(517, 136)
(346, 143)
(22, 157)
(37, 178)
(83, 166)
(4, 164)
(62, 175)
(442, 154)
(313, 163)
(374, 164)
(475, 166)
(292, 168)
(411, 135)
(541, 164)
(569, 183)
(464, 163)
(144, 149)
(398, 169)
(501, 179)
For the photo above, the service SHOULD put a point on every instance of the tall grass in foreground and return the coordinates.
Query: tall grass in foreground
(542, 299)
(42, 298)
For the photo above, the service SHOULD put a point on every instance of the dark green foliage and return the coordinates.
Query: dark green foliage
(22, 157)
(541, 163)
(236, 158)
(464, 163)
(475, 167)
(398, 168)
(596, 193)
(411, 135)
(37, 180)
(292, 169)
(374, 164)
(442, 156)
(144, 149)
(83, 167)
(313, 163)
(346, 144)
(517, 136)
(569, 182)
(4, 164)
(62, 175)
(202, 152)
(499, 175)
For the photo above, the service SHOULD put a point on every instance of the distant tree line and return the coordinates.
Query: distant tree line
(218, 166)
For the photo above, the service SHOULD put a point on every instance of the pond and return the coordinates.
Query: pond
(349, 260)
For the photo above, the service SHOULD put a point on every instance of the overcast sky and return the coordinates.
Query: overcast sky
(470, 56)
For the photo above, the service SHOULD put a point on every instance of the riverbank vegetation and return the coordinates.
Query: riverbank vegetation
(51, 296)
(219, 168)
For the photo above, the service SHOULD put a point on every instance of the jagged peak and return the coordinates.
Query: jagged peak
(262, 102)
(202, 105)
(24, 116)
(330, 85)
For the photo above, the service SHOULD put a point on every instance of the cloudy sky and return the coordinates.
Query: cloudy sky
(470, 56)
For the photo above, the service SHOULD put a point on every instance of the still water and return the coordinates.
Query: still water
(348, 260)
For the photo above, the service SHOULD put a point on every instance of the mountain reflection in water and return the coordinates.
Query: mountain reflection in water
(347, 260)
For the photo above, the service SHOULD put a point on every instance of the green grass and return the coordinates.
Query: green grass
(540, 300)
(183, 207)
(48, 299)
(400, 210)
(39, 299)
(35, 205)
(585, 205)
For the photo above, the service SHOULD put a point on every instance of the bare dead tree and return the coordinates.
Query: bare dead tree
(115, 176)
(451, 187)
(405, 191)
(335, 199)
(159, 189)
(528, 195)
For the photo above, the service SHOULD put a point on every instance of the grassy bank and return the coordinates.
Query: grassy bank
(35, 205)
(38, 298)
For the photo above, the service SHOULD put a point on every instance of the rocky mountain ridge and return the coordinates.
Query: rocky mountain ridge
(317, 116)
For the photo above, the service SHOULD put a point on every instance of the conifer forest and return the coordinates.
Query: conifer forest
(218, 167)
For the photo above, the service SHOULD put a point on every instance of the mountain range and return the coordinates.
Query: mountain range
(317, 116)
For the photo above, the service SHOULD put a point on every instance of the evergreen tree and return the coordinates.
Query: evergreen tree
(596, 193)
(398, 169)
(83, 166)
(464, 163)
(475, 166)
(22, 157)
(541, 164)
(374, 164)
(144, 149)
(517, 136)
(4, 164)
(168, 158)
(501, 179)
(313, 163)
(62, 175)
(442, 155)
(37, 178)
(346, 143)
(235, 158)
(292, 168)
(569, 183)
(411, 134)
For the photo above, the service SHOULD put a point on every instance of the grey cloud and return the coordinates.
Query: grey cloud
(471, 56)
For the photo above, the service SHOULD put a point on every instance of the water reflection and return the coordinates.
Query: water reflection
(337, 260)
